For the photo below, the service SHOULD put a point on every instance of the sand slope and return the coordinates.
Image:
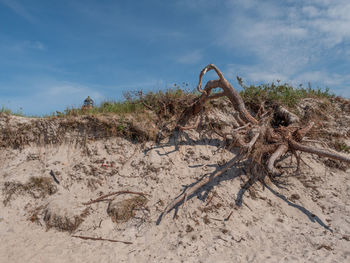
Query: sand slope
(306, 222)
(307, 219)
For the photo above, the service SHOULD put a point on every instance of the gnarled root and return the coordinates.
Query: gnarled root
(260, 144)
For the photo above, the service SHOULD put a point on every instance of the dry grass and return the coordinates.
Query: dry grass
(37, 187)
(64, 223)
(151, 116)
(125, 210)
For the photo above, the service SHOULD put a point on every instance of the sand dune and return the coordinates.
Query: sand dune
(306, 219)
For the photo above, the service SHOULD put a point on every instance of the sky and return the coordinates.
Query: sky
(53, 54)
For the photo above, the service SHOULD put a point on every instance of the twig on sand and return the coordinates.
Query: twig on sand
(227, 218)
(54, 177)
(102, 239)
(102, 198)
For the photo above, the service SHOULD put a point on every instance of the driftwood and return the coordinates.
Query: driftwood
(102, 239)
(260, 144)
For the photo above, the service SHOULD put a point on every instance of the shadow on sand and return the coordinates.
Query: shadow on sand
(232, 173)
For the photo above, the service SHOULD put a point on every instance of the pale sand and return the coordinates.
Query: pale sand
(307, 221)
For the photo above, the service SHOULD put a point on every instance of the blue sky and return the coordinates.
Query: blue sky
(53, 54)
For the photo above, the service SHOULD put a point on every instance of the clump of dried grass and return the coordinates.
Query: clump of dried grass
(37, 187)
(64, 222)
(124, 210)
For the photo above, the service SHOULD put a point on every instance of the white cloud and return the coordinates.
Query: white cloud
(257, 74)
(311, 11)
(293, 42)
(190, 57)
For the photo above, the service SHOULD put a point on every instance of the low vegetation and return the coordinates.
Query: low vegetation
(143, 117)
(283, 94)
(8, 111)
(37, 187)
(170, 102)
(163, 103)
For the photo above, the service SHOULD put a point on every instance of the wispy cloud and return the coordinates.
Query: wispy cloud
(19, 9)
(254, 74)
(191, 57)
(29, 45)
(291, 42)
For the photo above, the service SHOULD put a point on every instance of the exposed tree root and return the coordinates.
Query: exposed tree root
(261, 141)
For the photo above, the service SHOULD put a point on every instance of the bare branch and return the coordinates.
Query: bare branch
(320, 152)
(281, 150)
(102, 239)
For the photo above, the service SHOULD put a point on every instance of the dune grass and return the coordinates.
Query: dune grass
(171, 101)
(8, 111)
(279, 93)
(161, 102)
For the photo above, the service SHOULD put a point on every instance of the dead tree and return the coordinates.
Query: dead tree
(260, 144)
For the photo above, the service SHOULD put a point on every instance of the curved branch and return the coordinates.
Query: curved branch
(281, 150)
(194, 126)
(229, 91)
(205, 70)
(238, 119)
